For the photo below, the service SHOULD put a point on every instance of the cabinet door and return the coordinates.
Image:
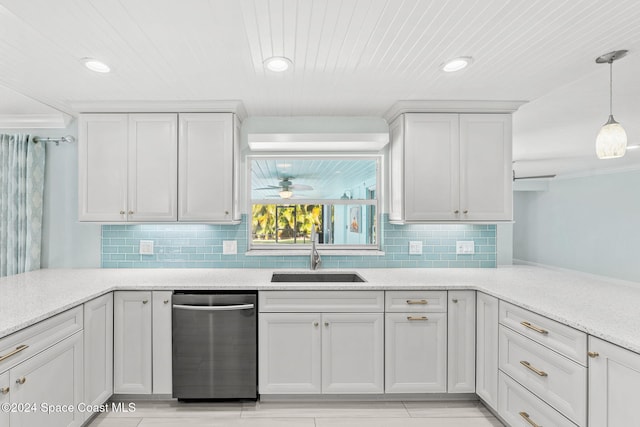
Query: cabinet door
(431, 167)
(153, 166)
(208, 157)
(487, 349)
(352, 353)
(415, 352)
(53, 377)
(614, 381)
(485, 167)
(132, 342)
(5, 390)
(289, 353)
(102, 167)
(461, 363)
(98, 350)
(162, 382)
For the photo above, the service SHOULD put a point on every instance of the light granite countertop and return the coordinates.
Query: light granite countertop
(603, 307)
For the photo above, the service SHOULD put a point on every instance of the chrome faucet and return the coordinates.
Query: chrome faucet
(314, 258)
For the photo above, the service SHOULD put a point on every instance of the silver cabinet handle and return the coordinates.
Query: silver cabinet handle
(534, 328)
(4, 390)
(593, 354)
(21, 380)
(454, 300)
(16, 351)
(326, 324)
(130, 212)
(214, 307)
(166, 301)
(315, 324)
(417, 301)
(532, 369)
(417, 318)
(466, 211)
(456, 212)
(529, 420)
(144, 301)
(122, 212)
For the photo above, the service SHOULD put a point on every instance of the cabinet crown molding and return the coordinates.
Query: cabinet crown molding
(450, 106)
(204, 106)
(35, 121)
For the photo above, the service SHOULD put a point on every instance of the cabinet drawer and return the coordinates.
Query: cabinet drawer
(519, 407)
(416, 301)
(560, 382)
(321, 301)
(561, 338)
(27, 342)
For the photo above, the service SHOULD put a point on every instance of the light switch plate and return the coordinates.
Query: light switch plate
(415, 247)
(146, 247)
(229, 247)
(465, 247)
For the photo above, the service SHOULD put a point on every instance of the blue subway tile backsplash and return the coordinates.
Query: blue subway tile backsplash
(200, 246)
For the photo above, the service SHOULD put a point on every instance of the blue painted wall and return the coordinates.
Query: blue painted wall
(589, 224)
(200, 246)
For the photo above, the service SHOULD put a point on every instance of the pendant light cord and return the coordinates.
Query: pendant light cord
(611, 88)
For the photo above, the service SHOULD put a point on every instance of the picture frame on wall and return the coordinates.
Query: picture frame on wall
(355, 215)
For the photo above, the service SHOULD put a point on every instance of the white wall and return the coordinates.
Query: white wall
(589, 224)
(66, 243)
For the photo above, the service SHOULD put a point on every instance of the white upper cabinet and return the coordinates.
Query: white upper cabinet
(208, 169)
(142, 168)
(153, 165)
(450, 167)
(102, 167)
(128, 167)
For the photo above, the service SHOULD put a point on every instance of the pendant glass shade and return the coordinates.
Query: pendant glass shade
(611, 141)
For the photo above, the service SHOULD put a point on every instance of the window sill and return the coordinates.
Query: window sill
(323, 252)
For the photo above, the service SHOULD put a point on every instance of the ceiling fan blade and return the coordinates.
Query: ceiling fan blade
(270, 187)
(301, 187)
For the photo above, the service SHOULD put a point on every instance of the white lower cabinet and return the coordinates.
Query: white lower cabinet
(519, 407)
(316, 353)
(312, 342)
(614, 381)
(52, 377)
(415, 352)
(289, 353)
(5, 390)
(141, 327)
(352, 352)
(98, 350)
(487, 314)
(554, 378)
(461, 342)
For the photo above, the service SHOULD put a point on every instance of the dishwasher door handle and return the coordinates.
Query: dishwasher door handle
(214, 307)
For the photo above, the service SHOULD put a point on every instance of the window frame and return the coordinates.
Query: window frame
(302, 248)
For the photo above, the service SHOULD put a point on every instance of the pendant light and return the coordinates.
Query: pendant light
(612, 139)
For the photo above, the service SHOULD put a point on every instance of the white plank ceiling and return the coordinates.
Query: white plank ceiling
(351, 57)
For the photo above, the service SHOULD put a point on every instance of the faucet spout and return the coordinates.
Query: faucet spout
(314, 258)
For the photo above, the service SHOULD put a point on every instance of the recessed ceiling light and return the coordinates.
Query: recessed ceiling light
(96, 65)
(278, 64)
(457, 64)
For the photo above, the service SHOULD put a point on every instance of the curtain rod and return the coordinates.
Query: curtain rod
(69, 138)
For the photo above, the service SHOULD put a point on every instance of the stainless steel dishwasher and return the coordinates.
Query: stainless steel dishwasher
(214, 345)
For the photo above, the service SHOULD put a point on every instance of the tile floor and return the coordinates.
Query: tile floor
(303, 414)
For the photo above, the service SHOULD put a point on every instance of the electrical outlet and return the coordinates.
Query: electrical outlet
(465, 247)
(415, 247)
(146, 247)
(229, 247)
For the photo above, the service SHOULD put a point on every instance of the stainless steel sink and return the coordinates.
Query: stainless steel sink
(317, 277)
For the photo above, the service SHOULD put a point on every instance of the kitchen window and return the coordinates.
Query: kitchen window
(336, 195)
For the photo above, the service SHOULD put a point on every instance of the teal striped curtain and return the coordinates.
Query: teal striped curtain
(21, 196)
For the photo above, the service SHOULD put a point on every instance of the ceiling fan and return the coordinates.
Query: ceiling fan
(286, 186)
